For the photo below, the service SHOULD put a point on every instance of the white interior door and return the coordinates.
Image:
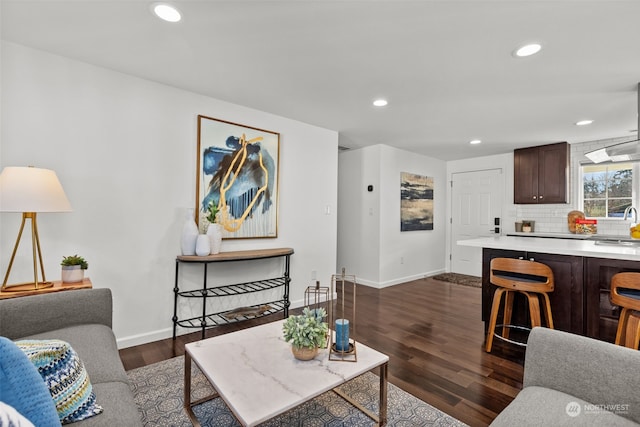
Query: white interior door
(476, 201)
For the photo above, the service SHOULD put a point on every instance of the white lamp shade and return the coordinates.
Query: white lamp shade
(29, 189)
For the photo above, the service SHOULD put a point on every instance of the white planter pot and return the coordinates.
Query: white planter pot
(215, 237)
(72, 274)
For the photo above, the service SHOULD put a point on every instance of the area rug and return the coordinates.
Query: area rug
(158, 391)
(460, 279)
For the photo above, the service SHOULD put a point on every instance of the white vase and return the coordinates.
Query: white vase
(189, 234)
(203, 247)
(215, 237)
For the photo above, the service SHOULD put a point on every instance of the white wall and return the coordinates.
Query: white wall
(371, 245)
(125, 151)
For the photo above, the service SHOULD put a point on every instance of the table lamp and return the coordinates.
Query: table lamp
(30, 190)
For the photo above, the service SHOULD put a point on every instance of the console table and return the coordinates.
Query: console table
(206, 320)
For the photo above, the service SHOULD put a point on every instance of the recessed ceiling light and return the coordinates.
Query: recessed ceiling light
(584, 122)
(475, 141)
(166, 12)
(380, 102)
(528, 50)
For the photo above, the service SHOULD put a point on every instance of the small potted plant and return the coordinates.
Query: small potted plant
(73, 267)
(306, 332)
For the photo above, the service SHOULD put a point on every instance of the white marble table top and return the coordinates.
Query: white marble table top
(257, 376)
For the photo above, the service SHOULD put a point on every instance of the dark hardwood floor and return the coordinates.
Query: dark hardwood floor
(433, 334)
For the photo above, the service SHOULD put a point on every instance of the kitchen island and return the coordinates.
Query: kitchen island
(582, 271)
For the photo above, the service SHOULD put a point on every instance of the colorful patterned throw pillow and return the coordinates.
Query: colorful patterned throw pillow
(65, 376)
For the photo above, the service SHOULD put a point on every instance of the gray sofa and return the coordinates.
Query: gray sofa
(570, 380)
(83, 318)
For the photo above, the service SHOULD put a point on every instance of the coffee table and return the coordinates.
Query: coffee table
(257, 377)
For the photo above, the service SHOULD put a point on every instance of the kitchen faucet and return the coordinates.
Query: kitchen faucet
(628, 210)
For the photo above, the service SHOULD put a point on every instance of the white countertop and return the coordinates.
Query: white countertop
(585, 248)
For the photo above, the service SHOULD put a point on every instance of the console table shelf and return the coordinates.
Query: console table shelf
(207, 320)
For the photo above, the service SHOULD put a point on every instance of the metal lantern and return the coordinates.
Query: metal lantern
(342, 343)
(316, 297)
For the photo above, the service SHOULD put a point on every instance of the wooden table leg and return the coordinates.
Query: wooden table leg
(383, 394)
(187, 390)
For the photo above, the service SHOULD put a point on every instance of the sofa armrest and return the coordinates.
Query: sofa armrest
(598, 372)
(24, 316)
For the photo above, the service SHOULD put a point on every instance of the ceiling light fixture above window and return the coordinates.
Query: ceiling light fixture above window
(380, 102)
(166, 12)
(527, 50)
(584, 122)
(475, 142)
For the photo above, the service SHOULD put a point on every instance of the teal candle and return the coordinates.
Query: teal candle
(342, 335)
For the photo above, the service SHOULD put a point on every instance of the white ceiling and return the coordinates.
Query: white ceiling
(445, 67)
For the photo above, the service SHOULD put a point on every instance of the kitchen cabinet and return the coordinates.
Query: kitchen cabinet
(540, 174)
(602, 318)
(567, 299)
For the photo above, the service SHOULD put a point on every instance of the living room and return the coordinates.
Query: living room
(124, 149)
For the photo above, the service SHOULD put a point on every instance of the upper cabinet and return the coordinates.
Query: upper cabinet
(540, 174)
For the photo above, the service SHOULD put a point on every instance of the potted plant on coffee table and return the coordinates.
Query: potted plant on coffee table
(306, 332)
(73, 267)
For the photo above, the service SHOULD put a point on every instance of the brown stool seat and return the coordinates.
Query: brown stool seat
(625, 293)
(529, 278)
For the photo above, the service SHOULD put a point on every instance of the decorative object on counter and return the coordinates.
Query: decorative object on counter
(318, 297)
(306, 332)
(586, 226)
(189, 234)
(30, 190)
(73, 267)
(571, 220)
(518, 226)
(634, 228)
(528, 226)
(342, 343)
(214, 230)
(237, 169)
(203, 245)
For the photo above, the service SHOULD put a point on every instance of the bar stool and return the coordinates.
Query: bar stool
(625, 293)
(529, 278)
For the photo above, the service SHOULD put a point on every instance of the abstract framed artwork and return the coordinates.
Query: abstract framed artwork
(416, 202)
(237, 171)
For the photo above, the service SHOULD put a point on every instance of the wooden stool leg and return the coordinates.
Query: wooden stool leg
(547, 311)
(508, 311)
(631, 331)
(534, 309)
(622, 326)
(495, 307)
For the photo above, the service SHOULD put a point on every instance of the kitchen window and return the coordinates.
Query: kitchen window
(608, 189)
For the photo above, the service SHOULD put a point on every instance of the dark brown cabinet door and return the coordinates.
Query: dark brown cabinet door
(540, 174)
(602, 317)
(525, 176)
(567, 299)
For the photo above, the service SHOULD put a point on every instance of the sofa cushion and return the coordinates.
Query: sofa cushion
(119, 408)
(66, 377)
(540, 406)
(97, 348)
(22, 387)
